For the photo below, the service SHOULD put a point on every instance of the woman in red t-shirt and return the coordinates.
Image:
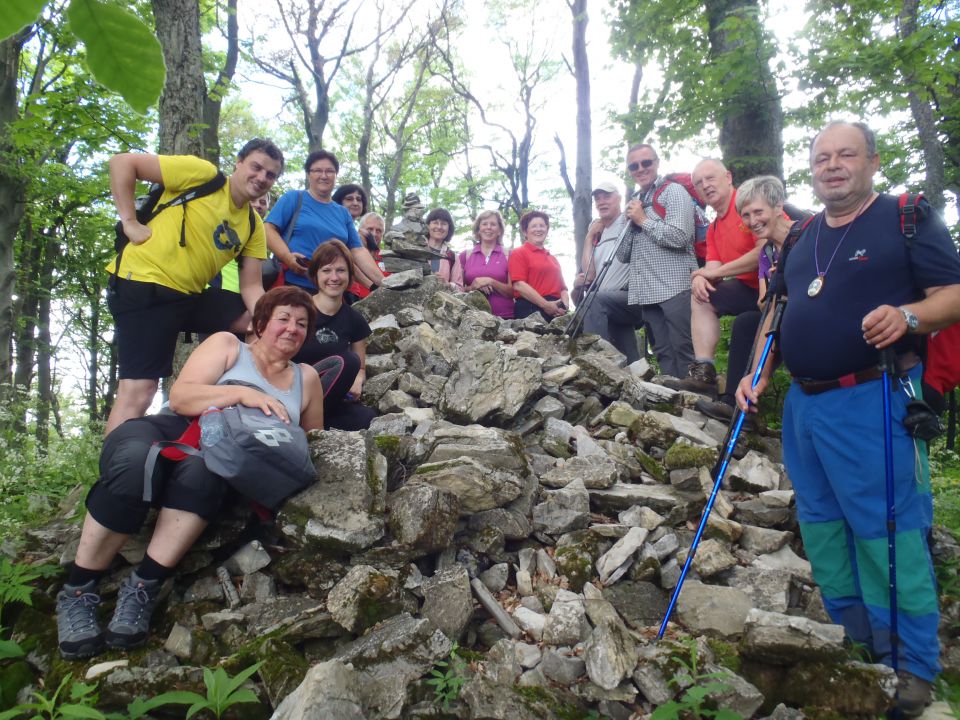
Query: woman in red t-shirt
(537, 279)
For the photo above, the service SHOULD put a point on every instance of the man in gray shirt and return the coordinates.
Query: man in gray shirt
(659, 249)
(608, 313)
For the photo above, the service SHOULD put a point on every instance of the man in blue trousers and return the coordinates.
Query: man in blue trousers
(856, 286)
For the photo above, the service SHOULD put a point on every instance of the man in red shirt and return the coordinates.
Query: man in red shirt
(727, 284)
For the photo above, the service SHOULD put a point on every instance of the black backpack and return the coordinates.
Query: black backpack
(149, 206)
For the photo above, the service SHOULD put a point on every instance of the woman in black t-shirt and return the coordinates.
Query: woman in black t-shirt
(338, 348)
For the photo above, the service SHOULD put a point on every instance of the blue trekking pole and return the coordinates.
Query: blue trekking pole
(888, 368)
(720, 469)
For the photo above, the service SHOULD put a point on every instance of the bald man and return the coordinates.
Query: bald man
(727, 284)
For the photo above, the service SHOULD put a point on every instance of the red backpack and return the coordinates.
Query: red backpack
(685, 180)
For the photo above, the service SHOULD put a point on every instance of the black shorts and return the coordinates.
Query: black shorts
(148, 317)
(733, 297)
(116, 499)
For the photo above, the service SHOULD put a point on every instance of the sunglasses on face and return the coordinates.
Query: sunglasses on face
(633, 167)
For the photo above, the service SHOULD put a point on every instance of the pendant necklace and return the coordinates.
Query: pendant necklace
(816, 285)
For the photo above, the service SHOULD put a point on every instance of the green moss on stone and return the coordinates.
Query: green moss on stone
(652, 466)
(576, 564)
(681, 455)
(725, 653)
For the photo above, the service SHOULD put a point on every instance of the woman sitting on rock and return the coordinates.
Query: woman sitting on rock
(188, 494)
(439, 232)
(537, 279)
(485, 267)
(338, 348)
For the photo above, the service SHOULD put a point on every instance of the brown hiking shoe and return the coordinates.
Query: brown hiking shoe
(913, 694)
(719, 410)
(701, 378)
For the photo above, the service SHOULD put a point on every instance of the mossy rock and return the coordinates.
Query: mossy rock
(681, 455)
(283, 667)
(308, 570)
(13, 678)
(653, 467)
(726, 654)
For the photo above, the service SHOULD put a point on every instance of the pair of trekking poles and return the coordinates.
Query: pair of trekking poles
(888, 374)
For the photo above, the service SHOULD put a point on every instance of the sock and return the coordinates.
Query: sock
(150, 569)
(81, 575)
(707, 361)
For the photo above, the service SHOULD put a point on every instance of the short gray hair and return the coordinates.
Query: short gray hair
(369, 215)
(763, 187)
(869, 136)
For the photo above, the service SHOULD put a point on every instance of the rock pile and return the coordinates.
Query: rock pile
(523, 503)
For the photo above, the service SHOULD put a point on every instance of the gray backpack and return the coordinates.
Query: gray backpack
(260, 456)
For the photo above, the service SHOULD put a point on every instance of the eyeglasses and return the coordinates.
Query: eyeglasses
(633, 167)
(323, 171)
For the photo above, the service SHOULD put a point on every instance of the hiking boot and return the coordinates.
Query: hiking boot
(78, 631)
(722, 411)
(701, 378)
(131, 618)
(913, 694)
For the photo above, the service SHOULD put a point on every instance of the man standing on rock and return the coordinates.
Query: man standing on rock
(856, 287)
(660, 253)
(608, 314)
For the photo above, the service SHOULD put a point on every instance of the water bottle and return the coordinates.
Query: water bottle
(211, 427)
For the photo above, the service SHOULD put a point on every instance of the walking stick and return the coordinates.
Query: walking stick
(720, 469)
(888, 368)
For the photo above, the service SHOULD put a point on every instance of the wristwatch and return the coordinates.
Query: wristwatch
(913, 322)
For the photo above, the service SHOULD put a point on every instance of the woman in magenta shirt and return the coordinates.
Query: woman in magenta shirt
(485, 267)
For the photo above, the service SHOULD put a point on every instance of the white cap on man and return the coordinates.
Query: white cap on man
(605, 187)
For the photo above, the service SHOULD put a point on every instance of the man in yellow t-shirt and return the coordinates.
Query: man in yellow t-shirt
(159, 286)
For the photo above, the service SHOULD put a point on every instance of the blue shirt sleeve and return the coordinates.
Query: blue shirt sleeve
(281, 213)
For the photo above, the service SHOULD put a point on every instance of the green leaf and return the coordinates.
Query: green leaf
(9, 649)
(122, 52)
(242, 676)
(175, 697)
(80, 711)
(195, 708)
(18, 14)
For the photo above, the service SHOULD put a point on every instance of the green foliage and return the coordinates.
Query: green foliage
(18, 14)
(447, 678)
(32, 483)
(223, 692)
(122, 52)
(77, 702)
(15, 580)
(8, 648)
(695, 701)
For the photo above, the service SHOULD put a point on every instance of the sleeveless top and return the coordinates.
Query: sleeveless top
(245, 370)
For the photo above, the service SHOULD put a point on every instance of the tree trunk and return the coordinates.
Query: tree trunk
(749, 113)
(933, 155)
(582, 206)
(11, 203)
(213, 101)
(28, 301)
(181, 105)
(44, 347)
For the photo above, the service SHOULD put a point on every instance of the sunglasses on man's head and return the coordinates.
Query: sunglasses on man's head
(633, 167)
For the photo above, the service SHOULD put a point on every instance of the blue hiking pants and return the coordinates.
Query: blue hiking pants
(833, 449)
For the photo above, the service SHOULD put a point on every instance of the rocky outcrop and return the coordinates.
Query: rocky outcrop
(524, 495)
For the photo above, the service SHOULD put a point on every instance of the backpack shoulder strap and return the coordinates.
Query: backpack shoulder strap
(910, 211)
(207, 188)
(293, 220)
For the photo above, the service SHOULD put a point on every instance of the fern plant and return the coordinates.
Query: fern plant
(694, 703)
(448, 678)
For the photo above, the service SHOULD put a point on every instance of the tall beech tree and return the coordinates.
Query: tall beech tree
(706, 65)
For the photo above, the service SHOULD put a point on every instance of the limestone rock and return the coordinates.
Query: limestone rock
(477, 486)
(563, 510)
(610, 654)
(344, 507)
(423, 516)
(617, 560)
(785, 639)
(506, 379)
(447, 601)
(364, 597)
(565, 622)
(594, 472)
(713, 608)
